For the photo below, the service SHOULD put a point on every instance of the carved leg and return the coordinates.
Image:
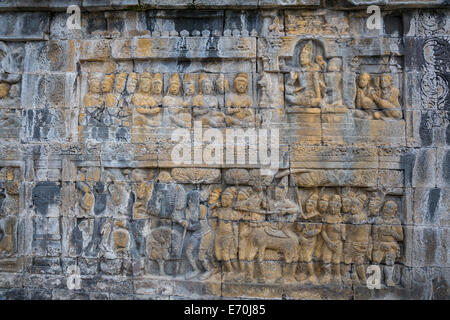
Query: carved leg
(161, 268)
(361, 271)
(337, 274)
(311, 274)
(327, 273)
(388, 276)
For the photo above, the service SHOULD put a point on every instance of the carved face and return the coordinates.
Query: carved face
(120, 82)
(306, 56)
(364, 80)
(386, 81)
(94, 85)
(189, 88)
(131, 83)
(207, 87)
(157, 86)
(374, 206)
(323, 205)
(145, 85)
(4, 90)
(311, 204)
(227, 199)
(240, 84)
(335, 205)
(222, 85)
(390, 209)
(174, 88)
(356, 206)
(139, 175)
(346, 204)
(107, 83)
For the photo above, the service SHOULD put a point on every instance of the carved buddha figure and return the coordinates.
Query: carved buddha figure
(388, 99)
(4, 90)
(239, 105)
(93, 98)
(178, 114)
(206, 105)
(310, 91)
(333, 234)
(356, 249)
(146, 112)
(226, 241)
(365, 97)
(387, 232)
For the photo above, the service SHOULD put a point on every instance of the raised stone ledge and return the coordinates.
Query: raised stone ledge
(98, 5)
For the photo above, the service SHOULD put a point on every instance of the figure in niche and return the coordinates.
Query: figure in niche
(333, 83)
(307, 236)
(311, 85)
(178, 115)
(388, 98)
(146, 111)
(387, 232)
(357, 244)
(206, 105)
(333, 235)
(226, 230)
(365, 98)
(8, 236)
(239, 105)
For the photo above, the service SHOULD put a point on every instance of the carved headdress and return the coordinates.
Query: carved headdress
(242, 76)
(175, 79)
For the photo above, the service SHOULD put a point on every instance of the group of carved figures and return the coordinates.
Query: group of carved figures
(318, 83)
(318, 239)
(140, 97)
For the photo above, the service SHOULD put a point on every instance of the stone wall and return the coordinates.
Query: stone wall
(93, 205)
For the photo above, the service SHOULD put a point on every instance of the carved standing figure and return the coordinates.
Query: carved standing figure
(387, 232)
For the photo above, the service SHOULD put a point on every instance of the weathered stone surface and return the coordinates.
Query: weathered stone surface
(224, 150)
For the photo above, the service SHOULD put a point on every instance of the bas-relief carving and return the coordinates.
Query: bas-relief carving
(317, 226)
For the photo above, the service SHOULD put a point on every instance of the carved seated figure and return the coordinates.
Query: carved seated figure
(365, 99)
(388, 99)
(177, 114)
(206, 105)
(146, 112)
(93, 98)
(310, 91)
(239, 105)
